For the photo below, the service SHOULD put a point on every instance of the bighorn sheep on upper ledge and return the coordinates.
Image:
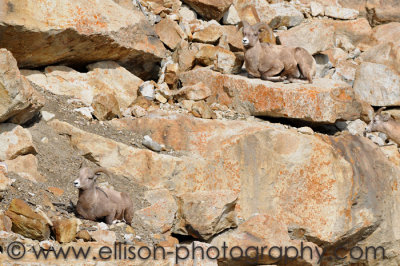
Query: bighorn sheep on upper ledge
(386, 124)
(275, 62)
(97, 203)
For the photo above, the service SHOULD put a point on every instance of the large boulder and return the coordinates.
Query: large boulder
(377, 84)
(301, 179)
(323, 101)
(14, 141)
(203, 214)
(19, 101)
(79, 32)
(103, 77)
(210, 9)
(26, 222)
(320, 35)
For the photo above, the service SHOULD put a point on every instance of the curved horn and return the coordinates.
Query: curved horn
(102, 170)
(260, 26)
(243, 24)
(380, 110)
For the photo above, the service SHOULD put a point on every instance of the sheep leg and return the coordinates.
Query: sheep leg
(270, 75)
(128, 216)
(110, 218)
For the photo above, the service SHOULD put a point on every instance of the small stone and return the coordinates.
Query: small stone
(84, 235)
(202, 110)
(160, 98)
(105, 106)
(305, 130)
(341, 12)
(47, 116)
(151, 144)
(102, 226)
(317, 9)
(85, 111)
(5, 222)
(147, 90)
(187, 104)
(103, 236)
(138, 111)
(65, 230)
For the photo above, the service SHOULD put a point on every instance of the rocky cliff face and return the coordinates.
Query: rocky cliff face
(156, 92)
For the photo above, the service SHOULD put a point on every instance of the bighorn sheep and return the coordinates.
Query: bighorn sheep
(386, 124)
(97, 203)
(275, 62)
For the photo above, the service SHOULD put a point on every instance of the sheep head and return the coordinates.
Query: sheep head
(87, 177)
(378, 121)
(251, 33)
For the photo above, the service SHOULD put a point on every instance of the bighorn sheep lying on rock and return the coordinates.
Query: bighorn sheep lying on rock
(97, 203)
(386, 124)
(275, 62)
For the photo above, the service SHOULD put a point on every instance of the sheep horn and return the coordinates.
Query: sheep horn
(260, 26)
(102, 170)
(243, 24)
(380, 110)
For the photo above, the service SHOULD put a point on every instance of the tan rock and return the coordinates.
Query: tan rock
(65, 230)
(118, 157)
(210, 34)
(104, 236)
(5, 222)
(233, 37)
(161, 214)
(202, 110)
(19, 101)
(185, 56)
(56, 191)
(5, 182)
(386, 33)
(254, 11)
(204, 214)
(231, 17)
(195, 92)
(335, 55)
(345, 71)
(377, 84)
(263, 161)
(170, 33)
(249, 13)
(84, 235)
(320, 35)
(26, 167)
(80, 32)
(105, 106)
(386, 54)
(210, 9)
(221, 59)
(341, 12)
(286, 15)
(265, 231)
(171, 75)
(15, 141)
(103, 77)
(257, 97)
(26, 222)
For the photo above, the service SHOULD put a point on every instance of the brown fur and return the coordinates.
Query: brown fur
(386, 124)
(96, 203)
(275, 62)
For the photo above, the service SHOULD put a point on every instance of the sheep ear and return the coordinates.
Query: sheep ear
(260, 26)
(386, 117)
